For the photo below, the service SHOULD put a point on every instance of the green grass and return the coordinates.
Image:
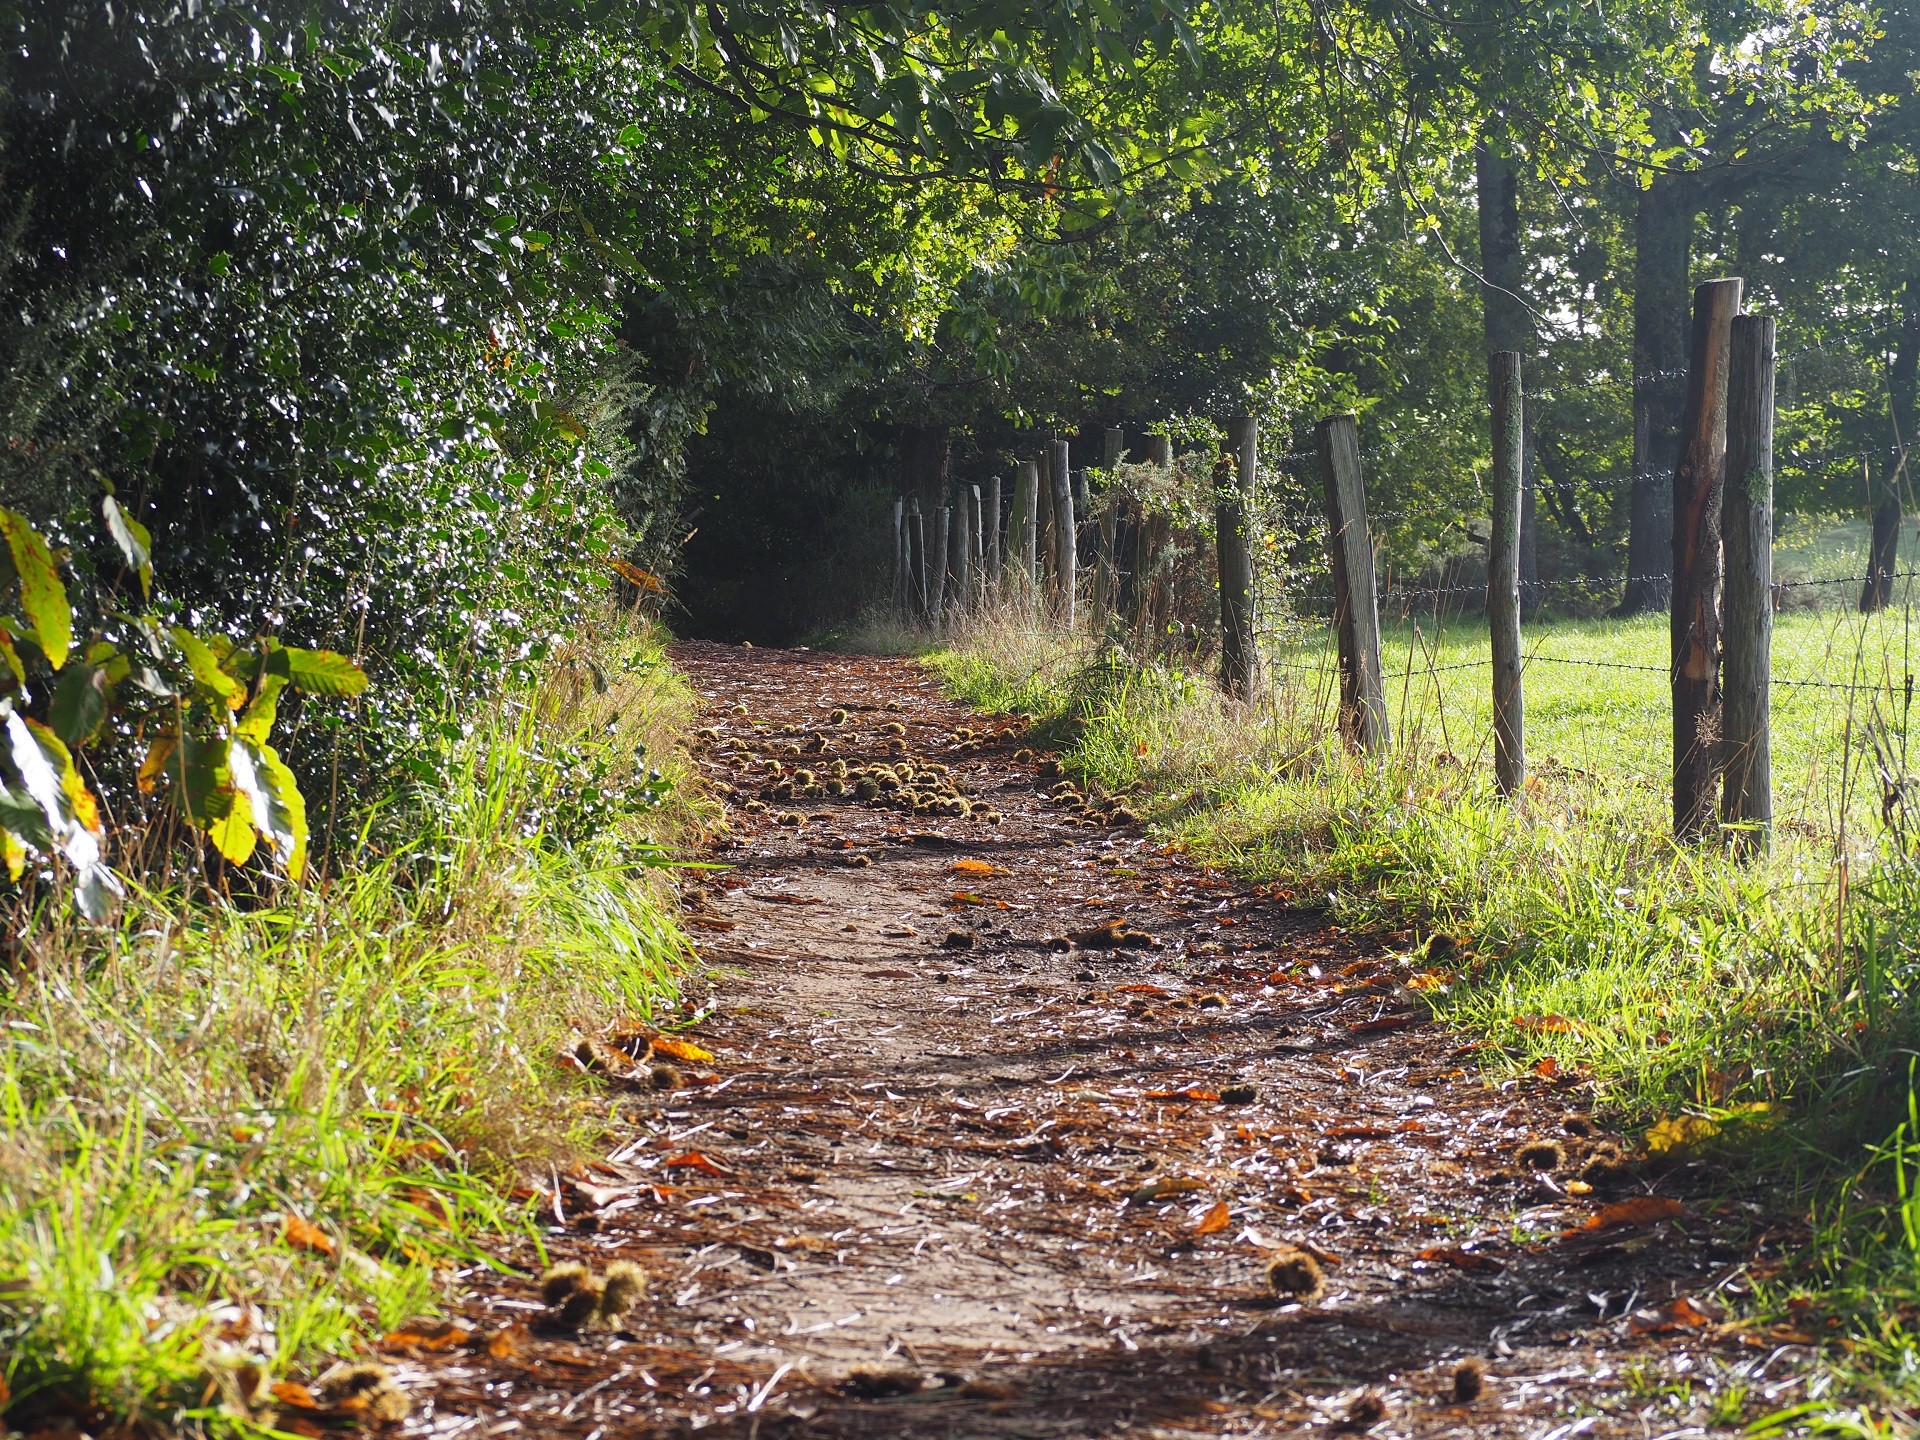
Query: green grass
(1778, 1001)
(374, 1055)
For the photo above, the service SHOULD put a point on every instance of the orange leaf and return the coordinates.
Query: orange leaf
(1640, 1210)
(680, 1049)
(635, 576)
(967, 897)
(1547, 1024)
(1431, 980)
(1215, 1220)
(303, 1234)
(429, 1335)
(1138, 990)
(505, 1344)
(1192, 1092)
(297, 1396)
(1679, 1313)
(1548, 1067)
(1460, 1259)
(694, 1160)
(976, 867)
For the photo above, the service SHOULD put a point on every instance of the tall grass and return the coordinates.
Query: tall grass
(201, 1104)
(1777, 1002)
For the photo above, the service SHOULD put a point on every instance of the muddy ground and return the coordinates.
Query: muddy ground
(1005, 1122)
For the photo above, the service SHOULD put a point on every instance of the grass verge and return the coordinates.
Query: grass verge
(1765, 1011)
(238, 1140)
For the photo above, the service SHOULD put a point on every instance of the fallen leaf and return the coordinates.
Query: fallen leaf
(1215, 1220)
(967, 897)
(1431, 980)
(977, 867)
(1547, 1068)
(1680, 1132)
(1192, 1092)
(681, 1049)
(1385, 1022)
(303, 1234)
(1547, 1024)
(1165, 1188)
(786, 899)
(1139, 990)
(1680, 1313)
(1460, 1259)
(709, 922)
(429, 1335)
(1358, 1132)
(1640, 1210)
(299, 1397)
(694, 1160)
(505, 1344)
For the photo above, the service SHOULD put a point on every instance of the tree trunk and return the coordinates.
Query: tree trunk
(1663, 246)
(1903, 383)
(1508, 323)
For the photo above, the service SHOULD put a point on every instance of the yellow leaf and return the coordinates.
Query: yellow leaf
(681, 1049)
(233, 834)
(155, 765)
(15, 854)
(1680, 1132)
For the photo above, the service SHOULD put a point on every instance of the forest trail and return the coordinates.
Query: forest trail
(1030, 1188)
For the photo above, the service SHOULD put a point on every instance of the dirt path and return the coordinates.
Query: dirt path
(1030, 1187)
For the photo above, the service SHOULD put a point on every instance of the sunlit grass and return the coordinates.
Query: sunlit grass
(373, 1055)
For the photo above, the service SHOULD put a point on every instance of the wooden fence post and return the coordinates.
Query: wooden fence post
(1026, 515)
(1883, 551)
(990, 532)
(1747, 509)
(1503, 568)
(937, 555)
(1232, 507)
(1148, 532)
(977, 557)
(1065, 550)
(1697, 484)
(1356, 606)
(963, 552)
(917, 559)
(899, 554)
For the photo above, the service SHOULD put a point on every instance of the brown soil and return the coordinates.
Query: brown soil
(1032, 1187)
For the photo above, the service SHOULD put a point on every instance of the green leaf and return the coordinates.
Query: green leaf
(273, 797)
(42, 597)
(79, 703)
(205, 665)
(136, 545)
(318, 672)
(256, 721)
(10, 657)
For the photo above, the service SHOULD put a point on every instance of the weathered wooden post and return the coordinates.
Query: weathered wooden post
(917, 559)
(1105, 587)
(1697, 483)
(1026, 518)
(963, 552)
(1232, 512)
(1065, 550)
(1746, 802)
(991, 534)
(1356, 606)
(937, 557)
(1503, 568)
(977, 556)
(899, 554)
(1883, 551)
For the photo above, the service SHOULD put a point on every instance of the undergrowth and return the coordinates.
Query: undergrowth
(1765, 1012)
(238, 1139)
